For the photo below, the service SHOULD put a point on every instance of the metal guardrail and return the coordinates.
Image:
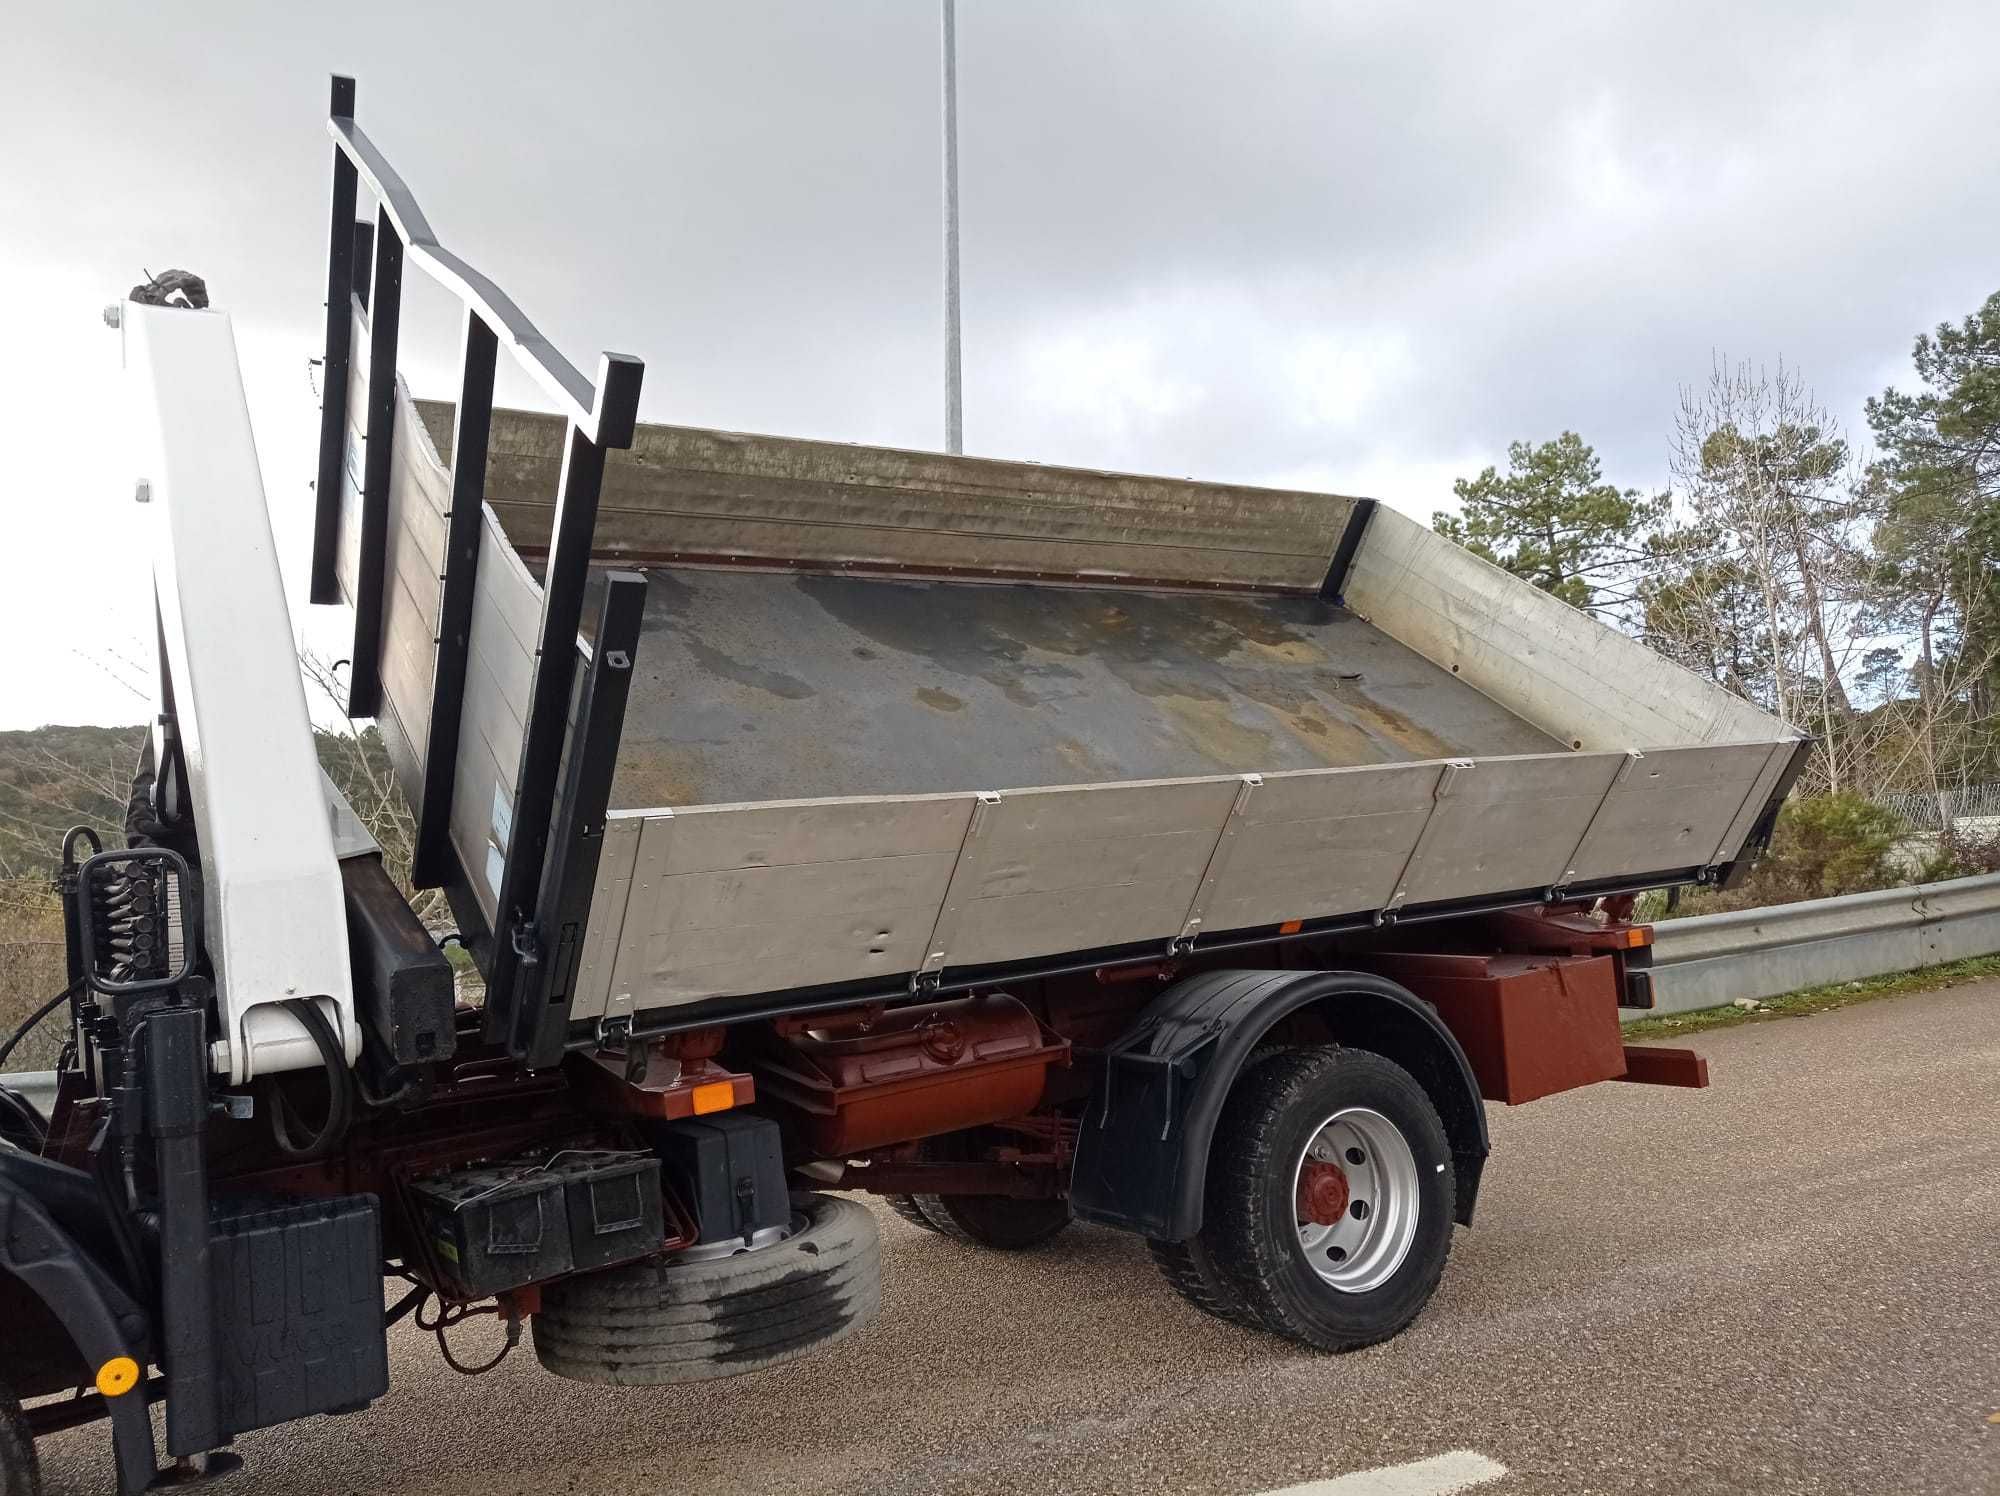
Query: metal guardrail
(1714, 959)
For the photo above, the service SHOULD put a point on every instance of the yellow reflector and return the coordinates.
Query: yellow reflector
(714, 1096)
(117, 1376)
(1290, 927)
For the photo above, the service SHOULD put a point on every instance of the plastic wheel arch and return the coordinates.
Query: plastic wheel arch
(1165, 1082)
(101, 1320)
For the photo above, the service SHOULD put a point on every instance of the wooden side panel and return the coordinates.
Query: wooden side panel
(1675, 807)
(687, 493)
(1581, 682)
(755, 898)
(1055, 870)
(1319, 842)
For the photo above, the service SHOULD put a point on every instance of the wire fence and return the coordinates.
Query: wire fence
(1928, 812)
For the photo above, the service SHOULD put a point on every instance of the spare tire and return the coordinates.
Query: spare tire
(670, 1319)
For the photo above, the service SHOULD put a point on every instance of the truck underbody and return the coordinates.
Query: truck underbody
(1017, 844)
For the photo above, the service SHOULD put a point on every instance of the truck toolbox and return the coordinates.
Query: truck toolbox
(731, 1170)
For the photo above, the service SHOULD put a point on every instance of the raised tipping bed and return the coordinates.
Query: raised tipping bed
(896, 717)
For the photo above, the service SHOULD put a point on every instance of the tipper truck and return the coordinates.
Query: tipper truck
(1016, 844)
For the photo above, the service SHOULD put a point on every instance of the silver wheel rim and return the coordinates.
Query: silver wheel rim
(1363, 1249)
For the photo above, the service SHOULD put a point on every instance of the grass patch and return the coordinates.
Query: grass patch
(1810, 1000)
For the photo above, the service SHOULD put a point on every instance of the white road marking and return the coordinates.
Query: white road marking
(1441, 1475)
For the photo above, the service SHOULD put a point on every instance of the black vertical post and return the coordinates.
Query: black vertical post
(364, 259)
(176, 1044)
(333, 393)
(385, 307)
(541, 1017)
(430, 859)
(516, 953)
(1344, 552)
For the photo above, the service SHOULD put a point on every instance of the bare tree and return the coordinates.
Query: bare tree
(1768, 479)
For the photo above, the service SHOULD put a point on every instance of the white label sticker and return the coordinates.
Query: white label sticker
(503, 816)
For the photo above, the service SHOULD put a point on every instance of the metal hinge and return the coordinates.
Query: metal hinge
(1218, 861)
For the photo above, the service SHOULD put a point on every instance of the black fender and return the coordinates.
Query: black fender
(101, 1319)
(1142, 1149)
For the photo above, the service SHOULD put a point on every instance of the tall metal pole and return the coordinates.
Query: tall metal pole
(954, 400)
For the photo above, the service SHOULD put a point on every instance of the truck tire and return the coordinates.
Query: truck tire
(660, 1321)
(1003, 1223)
(907, 1207)
(20, 1471)
(1329, 1198)
(1188, 1266)
(1192, 1274)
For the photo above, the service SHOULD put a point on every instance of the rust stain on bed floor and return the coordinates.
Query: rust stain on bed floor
(1218, 735)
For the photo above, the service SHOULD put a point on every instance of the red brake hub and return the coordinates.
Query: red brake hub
(1322, 1193)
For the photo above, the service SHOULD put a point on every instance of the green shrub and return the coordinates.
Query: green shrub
(1823, 845)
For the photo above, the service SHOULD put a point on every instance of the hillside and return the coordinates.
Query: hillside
(52, 778)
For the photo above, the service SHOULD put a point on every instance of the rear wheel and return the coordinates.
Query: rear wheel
(1329, 1202)
(1004, 1223)
(20, 1472)
(689, 1320)
(907, 1207)
(1001, 1222)
(1192, 1273)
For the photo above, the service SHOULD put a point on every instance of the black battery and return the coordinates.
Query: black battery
(506, 1225)
(493, 1228)
(614, 1206)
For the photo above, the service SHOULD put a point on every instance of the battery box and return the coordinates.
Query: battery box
(506, 1225)
(613, 1205)
(297, 1291)
(730, 1167)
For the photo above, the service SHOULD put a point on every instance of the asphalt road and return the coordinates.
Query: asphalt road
(1787, 1283)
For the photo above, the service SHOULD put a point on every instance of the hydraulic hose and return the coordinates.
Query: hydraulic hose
(286, 1124)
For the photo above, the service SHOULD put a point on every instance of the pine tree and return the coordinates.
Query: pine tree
(1555, 522)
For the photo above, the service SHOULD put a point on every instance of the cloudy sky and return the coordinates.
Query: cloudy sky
(1338, 245)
